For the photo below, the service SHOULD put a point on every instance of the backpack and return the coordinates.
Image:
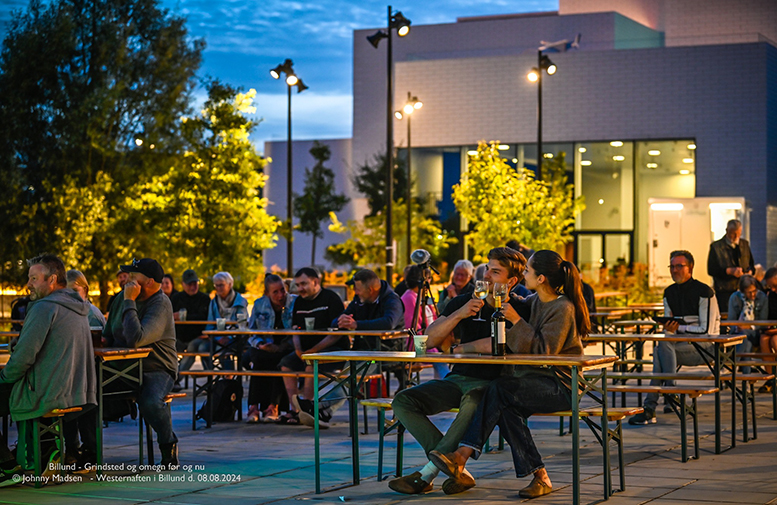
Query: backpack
(227, 397)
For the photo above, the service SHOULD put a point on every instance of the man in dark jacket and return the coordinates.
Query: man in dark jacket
(729, 259)
(190, 304)
(375, 306)
(144, 318)
(52, 365)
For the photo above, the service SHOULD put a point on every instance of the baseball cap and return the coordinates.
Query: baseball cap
(146, 266)
(190, 276)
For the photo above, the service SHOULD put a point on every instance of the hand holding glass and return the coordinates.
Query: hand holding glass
(481, 291)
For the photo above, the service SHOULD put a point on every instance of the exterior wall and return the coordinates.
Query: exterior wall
(340, 163)
(646, 12)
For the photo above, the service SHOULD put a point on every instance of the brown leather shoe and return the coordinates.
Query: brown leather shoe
(455, 486)
(535, 489)
(410, 484)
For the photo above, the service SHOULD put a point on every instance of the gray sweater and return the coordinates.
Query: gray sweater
(551, 329)
(145, 324)
(52, 366)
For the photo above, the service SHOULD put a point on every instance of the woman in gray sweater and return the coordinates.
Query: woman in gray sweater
(558, 321)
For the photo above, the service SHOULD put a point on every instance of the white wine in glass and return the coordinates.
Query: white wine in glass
(481, 291)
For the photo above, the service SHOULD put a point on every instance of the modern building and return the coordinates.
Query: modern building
(662, 99)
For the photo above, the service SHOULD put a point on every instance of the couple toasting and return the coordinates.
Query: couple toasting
(490, 395)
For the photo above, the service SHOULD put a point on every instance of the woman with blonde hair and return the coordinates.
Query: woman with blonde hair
(77, 281)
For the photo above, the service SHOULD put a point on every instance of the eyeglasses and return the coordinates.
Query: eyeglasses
(678, 267)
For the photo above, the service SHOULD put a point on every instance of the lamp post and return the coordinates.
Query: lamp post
(401, 24)
(412, 104)
(291, 81)
(535, 75)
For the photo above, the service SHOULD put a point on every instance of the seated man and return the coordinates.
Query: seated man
(52, 365)
(121, 278)
(271, 311)
(192, 305)
(227, 304)
(145, 319)
(693, 301)
(462, 281)
(314, 309)
(463, 387)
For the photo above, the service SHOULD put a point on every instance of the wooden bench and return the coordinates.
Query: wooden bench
(760, 361)
(211, 374)
(587, 414)
(39, 429)
(679, 406)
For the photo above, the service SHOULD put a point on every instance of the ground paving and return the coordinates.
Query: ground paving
(266, 463)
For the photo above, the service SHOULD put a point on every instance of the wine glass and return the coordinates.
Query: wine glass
(481, 291)
(500, 291)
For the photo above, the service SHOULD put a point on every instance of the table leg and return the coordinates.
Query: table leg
(99, 414)
(734, 397)
(606, 440)
(354, 422)
(316, 428)
(575, 438)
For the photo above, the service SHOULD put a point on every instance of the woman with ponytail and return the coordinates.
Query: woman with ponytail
(559, 320)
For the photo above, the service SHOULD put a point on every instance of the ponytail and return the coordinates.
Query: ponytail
(564, 277)
(573, 289)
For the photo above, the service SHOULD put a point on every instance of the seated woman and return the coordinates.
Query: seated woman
(748, 304)
(559, 319)
(77, 281)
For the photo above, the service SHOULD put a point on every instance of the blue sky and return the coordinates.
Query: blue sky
(245, 38)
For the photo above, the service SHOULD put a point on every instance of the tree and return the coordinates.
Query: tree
(206, 212)
(318, 198)
(366, 242)
(370, 180)
(503, 203)
(80, 81)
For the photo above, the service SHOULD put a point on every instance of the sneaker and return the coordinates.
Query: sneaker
(253, 415)
(10, 473)
(643, 418)
(766, 388)
(87, 462)
(270, 415)
(169, 456)
(50, 459)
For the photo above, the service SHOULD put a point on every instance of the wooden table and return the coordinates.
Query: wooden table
(576, 363)
(721, 359)
(106, 374)
(728, 324)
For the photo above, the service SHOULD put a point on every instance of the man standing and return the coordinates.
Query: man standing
(192, 305)
(314, 309)
(729, 259)
(695, 303)
(463, 387)
(52, 365)
(145, 319)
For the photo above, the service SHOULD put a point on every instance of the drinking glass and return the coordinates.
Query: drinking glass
(500, 290)
(481, 291)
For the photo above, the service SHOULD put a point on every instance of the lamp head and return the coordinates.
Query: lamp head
(548, 65)
(291, 79)
(398, 114)
(376, 37)
(301, 86)
(533, 75)
(408, 108)
(401, 23)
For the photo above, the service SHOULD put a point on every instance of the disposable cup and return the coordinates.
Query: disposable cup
(419, 341)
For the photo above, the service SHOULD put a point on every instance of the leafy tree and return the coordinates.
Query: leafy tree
(370, 180)
(365, 245)
(206, 212)
(80, 80)
(502, 203)
(319, 197)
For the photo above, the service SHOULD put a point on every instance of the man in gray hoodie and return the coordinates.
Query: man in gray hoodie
(52, 365)
(145, 319)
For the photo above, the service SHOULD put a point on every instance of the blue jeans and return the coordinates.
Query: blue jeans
(152, 406)
(508, 402)
(412, 407)
(667, 356)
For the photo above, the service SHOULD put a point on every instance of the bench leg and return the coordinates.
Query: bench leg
(194, 402)
(752, 406)
(695, 430)
(774, 398)
(621, 468)
(400, 447)
(561, 426)
(141, 422)
(36, 456)
(683, 430)
(745, 436)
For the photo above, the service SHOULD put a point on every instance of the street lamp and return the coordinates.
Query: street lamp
(535, 75)
(412, 104)
(401, 24)
(291, 81)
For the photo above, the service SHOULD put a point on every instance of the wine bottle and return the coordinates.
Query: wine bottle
(498, 347)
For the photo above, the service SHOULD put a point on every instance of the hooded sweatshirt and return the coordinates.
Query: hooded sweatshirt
(52, 365)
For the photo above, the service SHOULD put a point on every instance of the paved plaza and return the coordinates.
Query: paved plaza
(236, 464)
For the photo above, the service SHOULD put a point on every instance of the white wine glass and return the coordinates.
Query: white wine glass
(481, 291)
(500, 291)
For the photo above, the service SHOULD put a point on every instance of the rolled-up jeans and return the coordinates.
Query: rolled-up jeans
(508, 402)
(667, 356)
(156, 385)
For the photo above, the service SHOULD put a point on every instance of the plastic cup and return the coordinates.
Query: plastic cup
(419, 341)
(221, 323)
(310, 323)
(182, 314)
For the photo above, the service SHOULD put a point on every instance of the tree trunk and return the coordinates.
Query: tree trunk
(313, 251)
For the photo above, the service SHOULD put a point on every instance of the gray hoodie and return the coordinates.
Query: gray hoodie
(52, 366)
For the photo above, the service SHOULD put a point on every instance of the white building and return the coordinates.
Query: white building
(692, 80)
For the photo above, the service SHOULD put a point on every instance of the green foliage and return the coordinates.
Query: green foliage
(80, 80)
(318, 198)
(502, 203)
(370, 180)
(366, 242)
(206, 212)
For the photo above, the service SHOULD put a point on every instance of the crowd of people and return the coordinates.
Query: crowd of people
(546, 312)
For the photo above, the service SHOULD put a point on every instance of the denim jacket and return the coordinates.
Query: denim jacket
(263, 318)
(240, 306)
(737, 303)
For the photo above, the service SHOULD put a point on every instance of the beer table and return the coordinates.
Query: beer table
(728, 323)
(723, 357)
(576, 363)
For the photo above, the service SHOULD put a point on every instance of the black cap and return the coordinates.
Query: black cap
(190, 276)
(147, 266)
